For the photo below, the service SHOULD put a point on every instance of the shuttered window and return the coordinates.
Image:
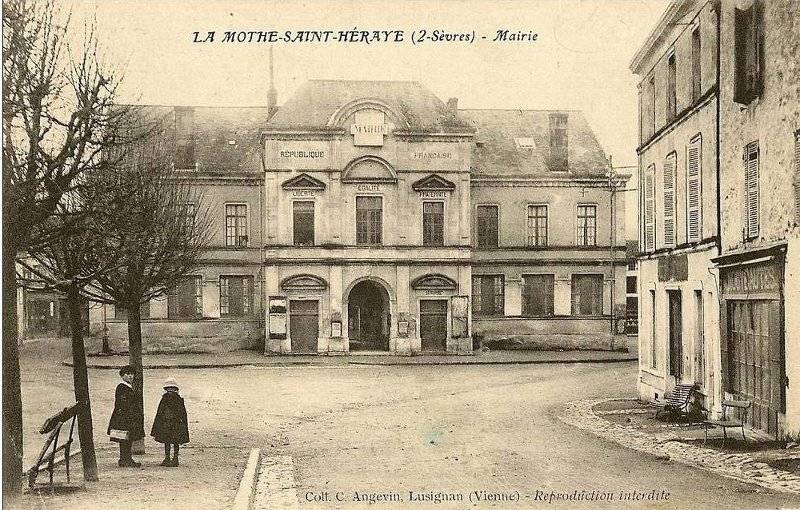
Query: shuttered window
(669, 200)
(235, 295)
(751, 189)
(185, 299)
(433, 223)
(649, 209)
(369, 220)
(487, 226)
(696, 66)
(303, 222)
(749, 53)
(797, 176)
(488, 295)
(694, 190)
(587, 294)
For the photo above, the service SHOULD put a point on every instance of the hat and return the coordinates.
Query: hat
(170, 383)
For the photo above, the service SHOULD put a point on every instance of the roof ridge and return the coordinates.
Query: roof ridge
(191, 106)
(364, 81)
(519, 110)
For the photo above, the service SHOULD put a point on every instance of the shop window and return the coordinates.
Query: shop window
(235, 296)
(369, 220)
(749, 53)
(537, 225)
(185, 300)
(487, 226)
(488, 295)
(587, 294)
(236, 225)
(558, 142)
(537, 295)
(433, 223)
(303, 223)
(752, 198)
(587, 225)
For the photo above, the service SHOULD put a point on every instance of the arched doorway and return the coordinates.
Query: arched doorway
(369, 322)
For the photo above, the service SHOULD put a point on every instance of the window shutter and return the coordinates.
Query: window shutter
(751, 189)
(649, 209)
(694, 190)
(669, 200)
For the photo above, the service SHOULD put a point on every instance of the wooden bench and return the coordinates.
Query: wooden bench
(739, 406)
(47, 459)
(677, 403)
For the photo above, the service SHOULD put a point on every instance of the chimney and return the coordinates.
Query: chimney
(452, 105)
(272, 95)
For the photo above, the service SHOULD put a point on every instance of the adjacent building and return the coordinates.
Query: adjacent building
(678, 238)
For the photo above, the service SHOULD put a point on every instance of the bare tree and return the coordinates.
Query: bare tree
(56, 118)
(156, 231)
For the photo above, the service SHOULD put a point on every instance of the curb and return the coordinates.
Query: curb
(300, 364)
(247, 487)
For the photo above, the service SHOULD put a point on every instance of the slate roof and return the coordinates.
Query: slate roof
(214, 130)
(313, 104)
(498, 153)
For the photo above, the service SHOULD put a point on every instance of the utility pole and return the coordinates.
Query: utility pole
(612, 247)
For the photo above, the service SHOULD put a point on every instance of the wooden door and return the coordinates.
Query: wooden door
(675, 335)
(433, 324)
(304, 325)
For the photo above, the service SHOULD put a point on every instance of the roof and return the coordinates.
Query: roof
(316, 102)
(227, 139)
(503, 138)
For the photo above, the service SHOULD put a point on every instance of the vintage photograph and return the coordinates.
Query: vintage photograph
(352, 254)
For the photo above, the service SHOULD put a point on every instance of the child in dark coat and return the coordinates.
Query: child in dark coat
(126, 423)
(170, 425)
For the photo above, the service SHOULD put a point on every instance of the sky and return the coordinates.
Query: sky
(579, 60)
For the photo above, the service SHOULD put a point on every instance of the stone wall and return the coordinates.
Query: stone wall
(167, 336)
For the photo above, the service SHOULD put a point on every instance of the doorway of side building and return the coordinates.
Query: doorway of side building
(675, 335)
(433, 324)
(304, 326)
(368, 319)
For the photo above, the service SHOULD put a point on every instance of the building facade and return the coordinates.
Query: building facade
(678, 237)
(370, 216)
(759, 267)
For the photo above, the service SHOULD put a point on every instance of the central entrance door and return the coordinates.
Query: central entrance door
(304, 325)
(368, 322)
(433, 324)
(675, 336)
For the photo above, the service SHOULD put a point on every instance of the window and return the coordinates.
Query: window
(653, 352)
(488, 295)
(694, 190)
(630, 284)
(671, 95)
(487, 226)
(587, 294)
(303, 223)
(558, 142)
(121, 313)
(749, 53)
(369, 220)
(537, 225)
(696, 65)
(669, 200)
(236, 225)
(700, 341)
(185, 299)
(587, 225)
(188, 212)
(537, 295)
(653, 103)
(235, 296)
(649, 208)
(751, 190)
(433, 223)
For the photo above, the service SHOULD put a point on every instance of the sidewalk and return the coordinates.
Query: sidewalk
(758, 459)
(254, 358)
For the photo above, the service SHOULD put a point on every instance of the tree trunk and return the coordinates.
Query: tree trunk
(80, 380)
(12, 393)
(135, 355)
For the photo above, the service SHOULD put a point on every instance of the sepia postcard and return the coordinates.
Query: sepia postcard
(375, 254)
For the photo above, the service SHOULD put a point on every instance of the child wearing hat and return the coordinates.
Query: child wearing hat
(126, 424)
(170, 425)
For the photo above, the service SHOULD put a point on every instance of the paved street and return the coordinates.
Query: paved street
(384, 430)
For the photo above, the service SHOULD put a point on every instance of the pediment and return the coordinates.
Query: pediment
(304, 282)
(369, 169)
(303, 181)
(434, 282)
(433, 182)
